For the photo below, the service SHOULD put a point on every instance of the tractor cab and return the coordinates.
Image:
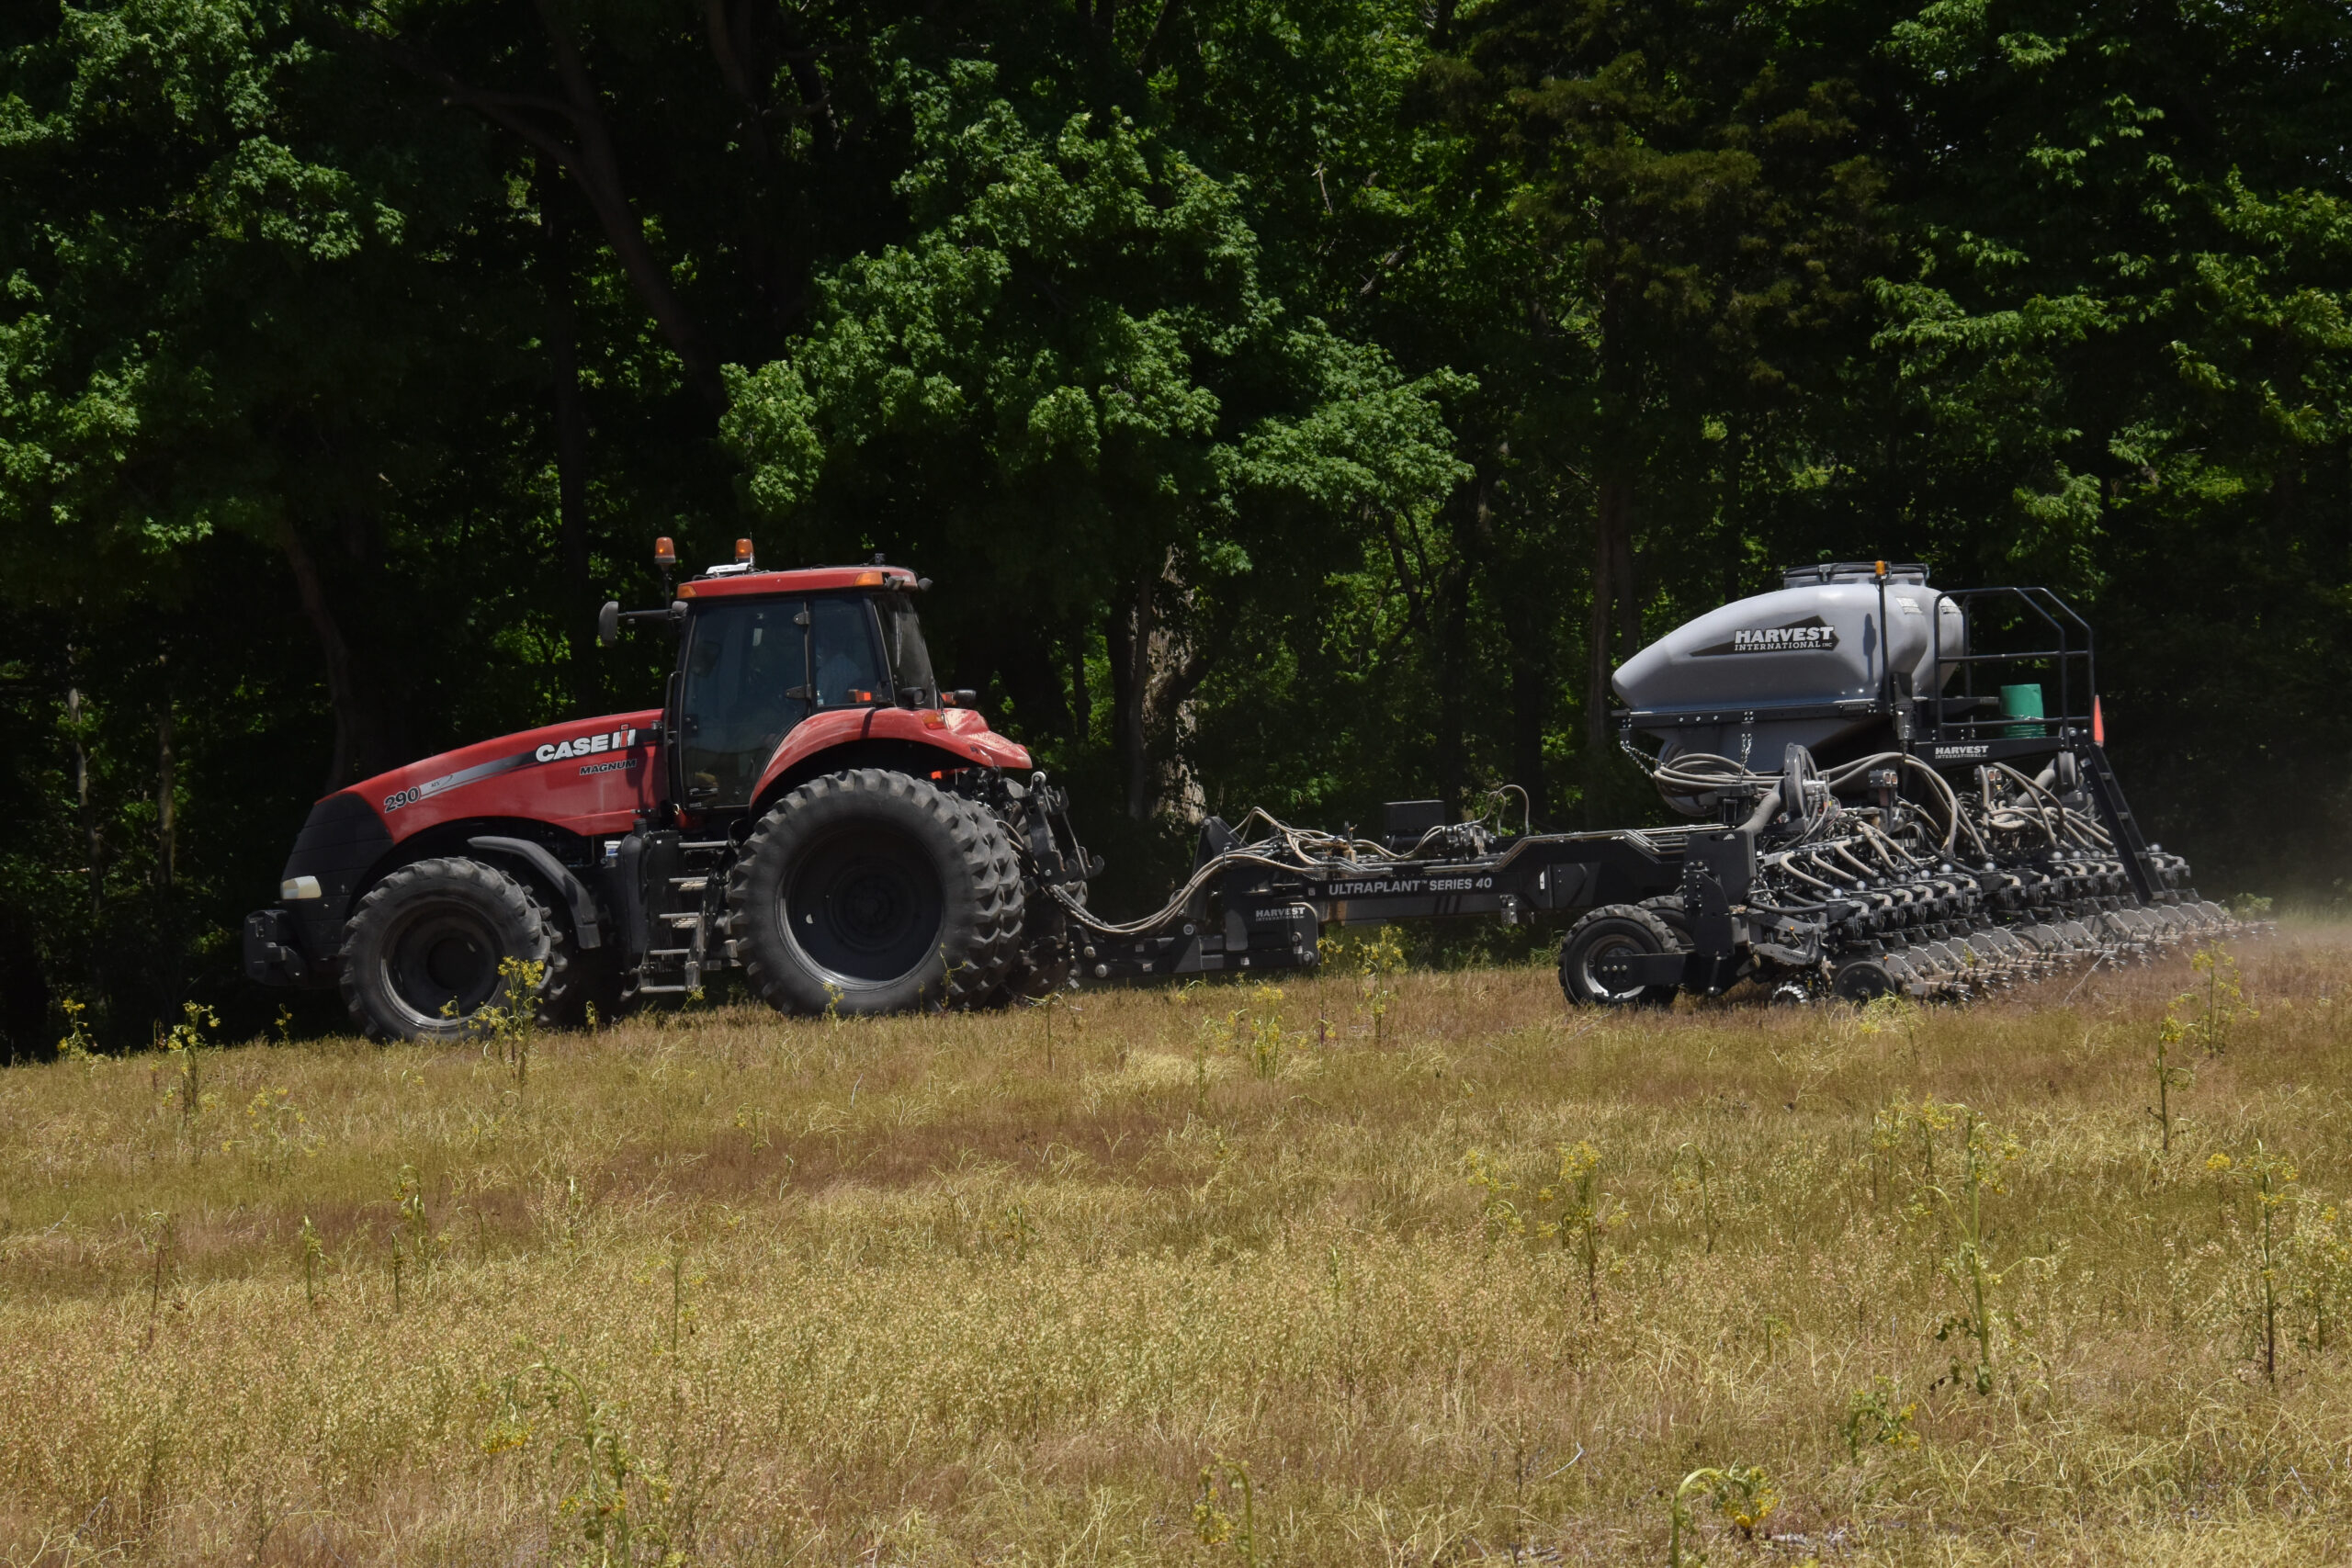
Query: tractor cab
(759, 654)
(754, 667)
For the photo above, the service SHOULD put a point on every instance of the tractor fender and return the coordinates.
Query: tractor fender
(937, 739)
(558, 875)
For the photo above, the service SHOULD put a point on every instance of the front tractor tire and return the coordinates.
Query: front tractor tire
(421, 955)
(872, 892)
(1611, 928)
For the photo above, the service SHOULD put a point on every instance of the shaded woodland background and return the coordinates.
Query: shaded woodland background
(1297, 404)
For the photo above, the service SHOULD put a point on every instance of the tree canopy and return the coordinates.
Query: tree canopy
(1295, 404)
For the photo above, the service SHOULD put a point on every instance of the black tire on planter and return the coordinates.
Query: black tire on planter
(1668, 907)
(430, 937)
(1614, 928)
(874, 892)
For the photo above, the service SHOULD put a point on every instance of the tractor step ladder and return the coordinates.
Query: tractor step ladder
(691, 960)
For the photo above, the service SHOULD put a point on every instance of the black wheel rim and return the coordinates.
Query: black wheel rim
(1864, 983)
(1589, 959)
(865, 907)
(441, 963)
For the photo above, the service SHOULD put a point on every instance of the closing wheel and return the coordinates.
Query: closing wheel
(421, 955)
(1863, 980)
(1615, 929)
(872, 892)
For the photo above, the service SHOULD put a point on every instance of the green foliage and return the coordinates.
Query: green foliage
(1874, 1420)
(1969, 1264)
(1078, 356)
(2168, 1078)
(2203, 1014)
(1742, 1495)
(1379, 960)
(2268, 1185)
(1225, 1484)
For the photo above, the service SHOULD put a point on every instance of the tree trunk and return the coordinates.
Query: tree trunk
(1126, 695)
(1453, 675)
(1030, 677)
(571, 461)
(167, 926)
(167, 805)
(359, 750)
(82, 794)
(1612, 589)
(24, 995)
(1082, 695)
(1629, 607)
(1531, 692)
(727, 31)
(595, 165)
(1155, 671)
(1612, 555)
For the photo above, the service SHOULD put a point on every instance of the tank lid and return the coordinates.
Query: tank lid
(1851, 571)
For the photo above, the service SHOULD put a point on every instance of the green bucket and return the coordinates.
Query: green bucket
(2022, 702)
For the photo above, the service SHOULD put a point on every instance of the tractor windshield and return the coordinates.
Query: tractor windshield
(909, 660)
(841, 650)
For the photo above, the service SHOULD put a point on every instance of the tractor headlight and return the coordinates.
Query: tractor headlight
(298, 887)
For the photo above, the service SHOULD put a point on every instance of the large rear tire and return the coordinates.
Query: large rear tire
(871, 892)
(421, 955)
(1614, 928)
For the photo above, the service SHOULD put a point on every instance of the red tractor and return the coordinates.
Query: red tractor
(807, 805)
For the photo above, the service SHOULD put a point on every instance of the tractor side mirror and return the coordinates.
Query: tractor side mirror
(608, 624)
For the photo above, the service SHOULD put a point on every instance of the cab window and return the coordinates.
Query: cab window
(748, 682)
(848, 656)
(910, 661)
(745, 688)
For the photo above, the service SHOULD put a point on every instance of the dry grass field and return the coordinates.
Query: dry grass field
(1432, 1273)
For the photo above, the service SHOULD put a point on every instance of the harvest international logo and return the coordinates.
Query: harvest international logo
(1811, 635)
(1783, 640)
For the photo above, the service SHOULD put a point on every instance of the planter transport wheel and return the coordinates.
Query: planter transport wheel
(1612, 929)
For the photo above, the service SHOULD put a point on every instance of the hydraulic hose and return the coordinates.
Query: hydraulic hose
(1285, 847)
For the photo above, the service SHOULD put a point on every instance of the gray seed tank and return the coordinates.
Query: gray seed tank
(1803, 666)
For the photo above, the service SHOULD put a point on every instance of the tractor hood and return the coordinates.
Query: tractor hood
(589, 775)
